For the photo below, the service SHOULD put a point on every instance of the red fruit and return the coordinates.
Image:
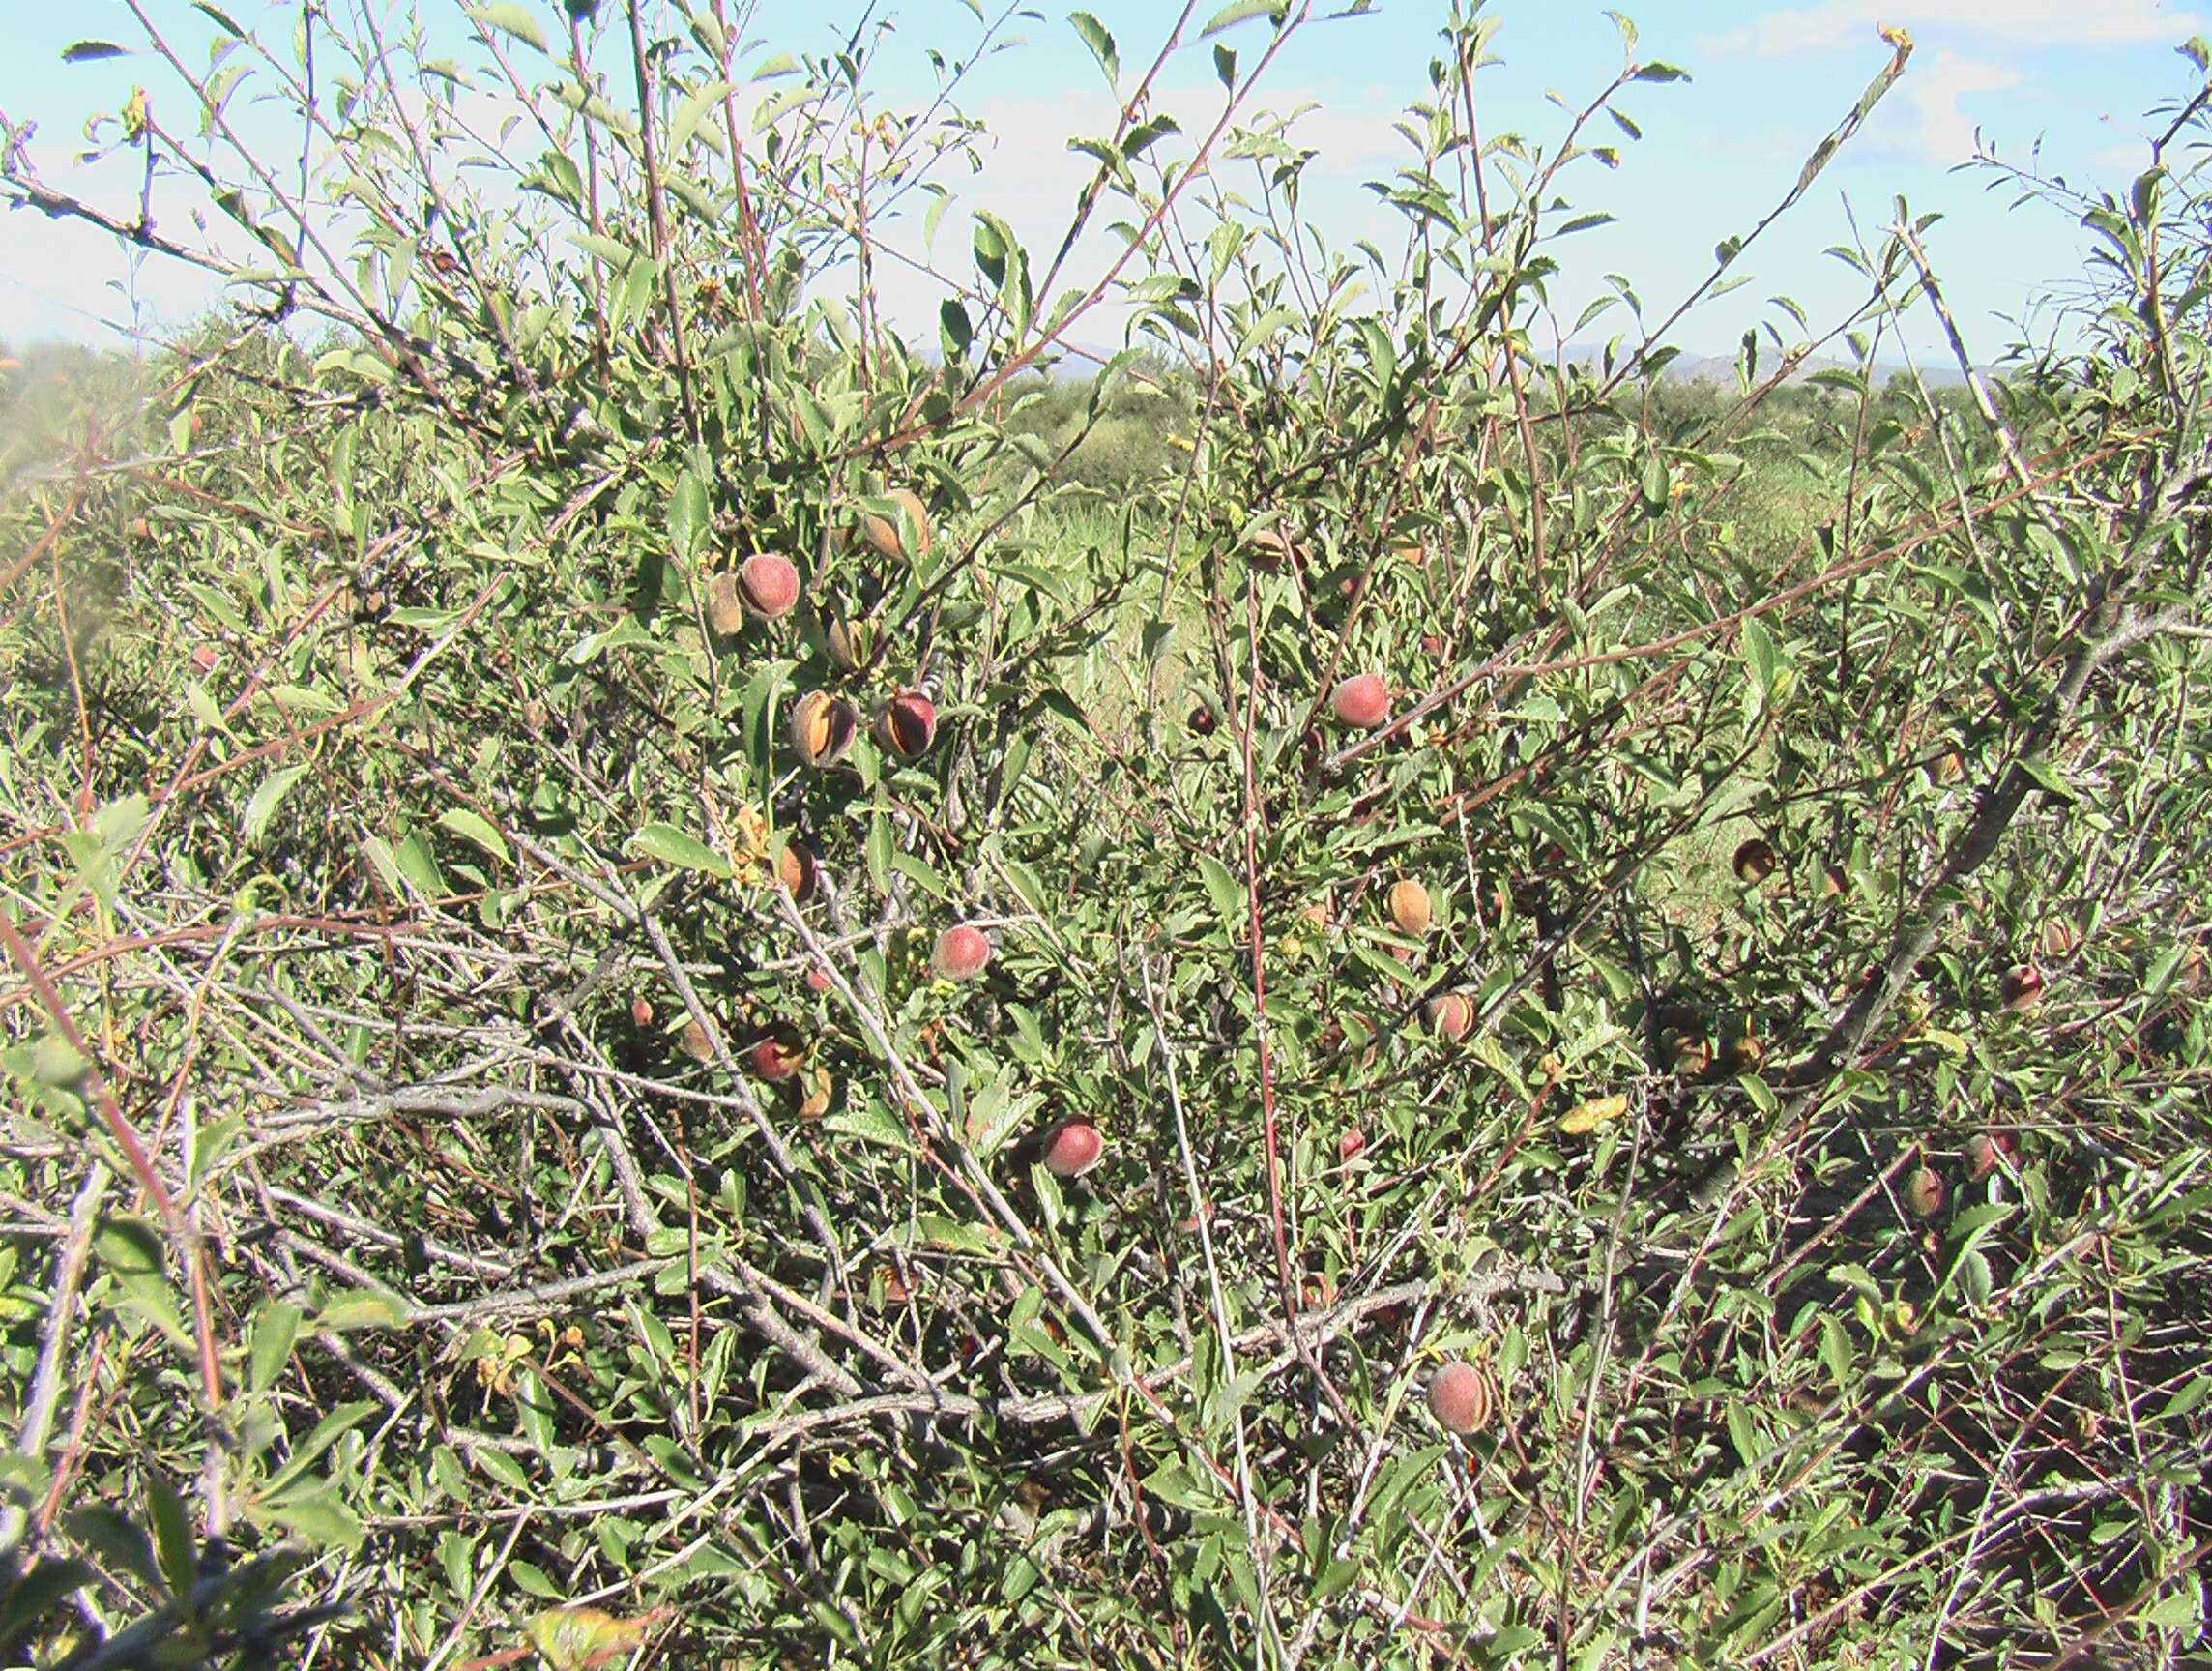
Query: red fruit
(907, 724)
(1361, 701)
(1202, 721)
(1460, 1398)
(641, 1011)
(1433, 645)
(960, 953)
(1352, 1145)
(770, 585)
(2021, 989)
(1449, 1015)
(1987, 1151)
(1072, 1148)
(818, 979)
(776, 1059)
(1753, 862)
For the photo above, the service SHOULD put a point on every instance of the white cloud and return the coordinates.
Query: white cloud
(1801, 32)
(1944, 133)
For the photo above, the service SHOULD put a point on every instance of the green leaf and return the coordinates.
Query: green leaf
(220, 18)
(362, 1308)
(689, 516)
(672, 846)
(42, 1588)
(1225, 891)
(173, 1542)
(266, 799)
(510, 19)
(90, 51)
(324, 1433)
(1234, 13)
(1101, 43)
(478, 830)
(275, 1328)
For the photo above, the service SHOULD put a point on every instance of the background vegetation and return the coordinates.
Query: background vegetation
(406, 863)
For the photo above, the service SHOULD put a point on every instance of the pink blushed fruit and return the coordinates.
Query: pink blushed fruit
(1460, 1398)
(1361, 701)
(1072, 1148)
(777, 1059)
(1449, 1015)
(907, 724)
(960, 953)
(2022, 987)
(770, 585)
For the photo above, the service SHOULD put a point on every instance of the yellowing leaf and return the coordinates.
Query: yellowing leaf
(579, 1638)
(1589, 1116)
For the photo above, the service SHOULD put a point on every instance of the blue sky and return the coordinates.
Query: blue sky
(2074, 76)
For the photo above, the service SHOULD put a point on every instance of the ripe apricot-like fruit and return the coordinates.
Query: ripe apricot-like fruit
(797, 869)
(641, 1011)
(960, 953)
(1361, 701)
(1460, 1398)
(818, 978)
(1351, 1145)
(2022, 987)
(881, 533)
(907, 724)
(1072, 1148)
(726, 604)
(821, 729)
(777, 1057)
(769, 583)
(1924, 1191)
(1449, 1015)
(1409, 903)
(1753, 862)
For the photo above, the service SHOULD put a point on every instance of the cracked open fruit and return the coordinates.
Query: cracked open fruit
(821, 729)
(907, 724)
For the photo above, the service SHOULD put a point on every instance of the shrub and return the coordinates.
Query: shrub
(398, 928)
